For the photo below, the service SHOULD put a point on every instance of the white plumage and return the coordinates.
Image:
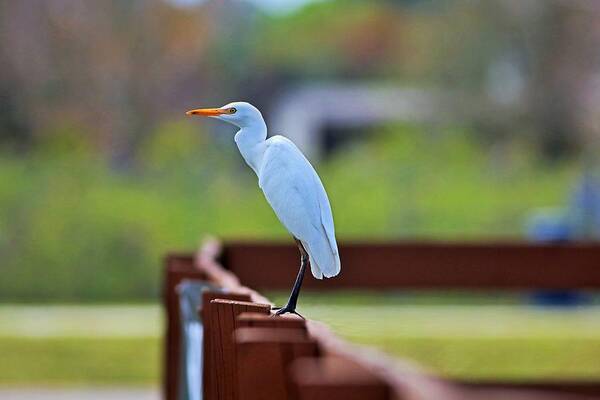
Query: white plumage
(289, 183)
(296, 194)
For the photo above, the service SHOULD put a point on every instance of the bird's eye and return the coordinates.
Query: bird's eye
(232, 111)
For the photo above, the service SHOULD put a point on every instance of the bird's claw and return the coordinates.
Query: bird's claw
(286, 310)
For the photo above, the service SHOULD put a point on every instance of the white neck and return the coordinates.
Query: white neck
(250, 141)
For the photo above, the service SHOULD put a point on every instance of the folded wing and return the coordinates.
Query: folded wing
(296, 194)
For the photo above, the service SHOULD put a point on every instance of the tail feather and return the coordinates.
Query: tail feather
(323, 261)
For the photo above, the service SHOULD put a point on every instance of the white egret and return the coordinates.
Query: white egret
(292, 188)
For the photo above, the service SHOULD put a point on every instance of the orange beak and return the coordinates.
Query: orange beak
(206, 112)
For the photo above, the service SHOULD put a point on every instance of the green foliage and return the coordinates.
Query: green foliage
(441, 183)
(445, 43)
(74, 228)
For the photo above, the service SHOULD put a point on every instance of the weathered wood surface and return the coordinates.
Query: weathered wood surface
(286, 321)
(335, 378)
(221, 317)
(263, 359)
(211, 337)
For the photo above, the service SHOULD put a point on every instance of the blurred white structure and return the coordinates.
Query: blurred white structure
(304, 112)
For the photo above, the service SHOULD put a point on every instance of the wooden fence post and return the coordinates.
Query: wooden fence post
(263, 358)
(177, 268)
(210, 367)
(221, 318)
(335, 378)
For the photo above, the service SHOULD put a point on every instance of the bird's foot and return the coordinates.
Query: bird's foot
(286, 310)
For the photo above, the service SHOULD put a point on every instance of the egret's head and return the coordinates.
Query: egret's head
(239, 113)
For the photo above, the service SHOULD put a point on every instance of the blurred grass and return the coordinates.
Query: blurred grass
(74, 227)
(456, 339)
(515, 359)
(79, 361)
(471, 340)
(73, 345)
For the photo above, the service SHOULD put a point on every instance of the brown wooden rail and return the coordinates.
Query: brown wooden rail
(498, 265)
(276, 357)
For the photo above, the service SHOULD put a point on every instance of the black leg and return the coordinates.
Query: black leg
(290, 307)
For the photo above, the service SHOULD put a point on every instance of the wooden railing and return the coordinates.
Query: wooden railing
(249, 354)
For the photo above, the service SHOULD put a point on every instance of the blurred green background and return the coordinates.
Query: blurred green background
(101, 173)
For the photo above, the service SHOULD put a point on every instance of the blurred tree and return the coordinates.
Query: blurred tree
(563, 62)
(116, 69)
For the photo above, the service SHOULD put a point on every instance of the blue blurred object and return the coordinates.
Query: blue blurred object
(549, 225)
(579, 221)
(560, 298)
(584, 209)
